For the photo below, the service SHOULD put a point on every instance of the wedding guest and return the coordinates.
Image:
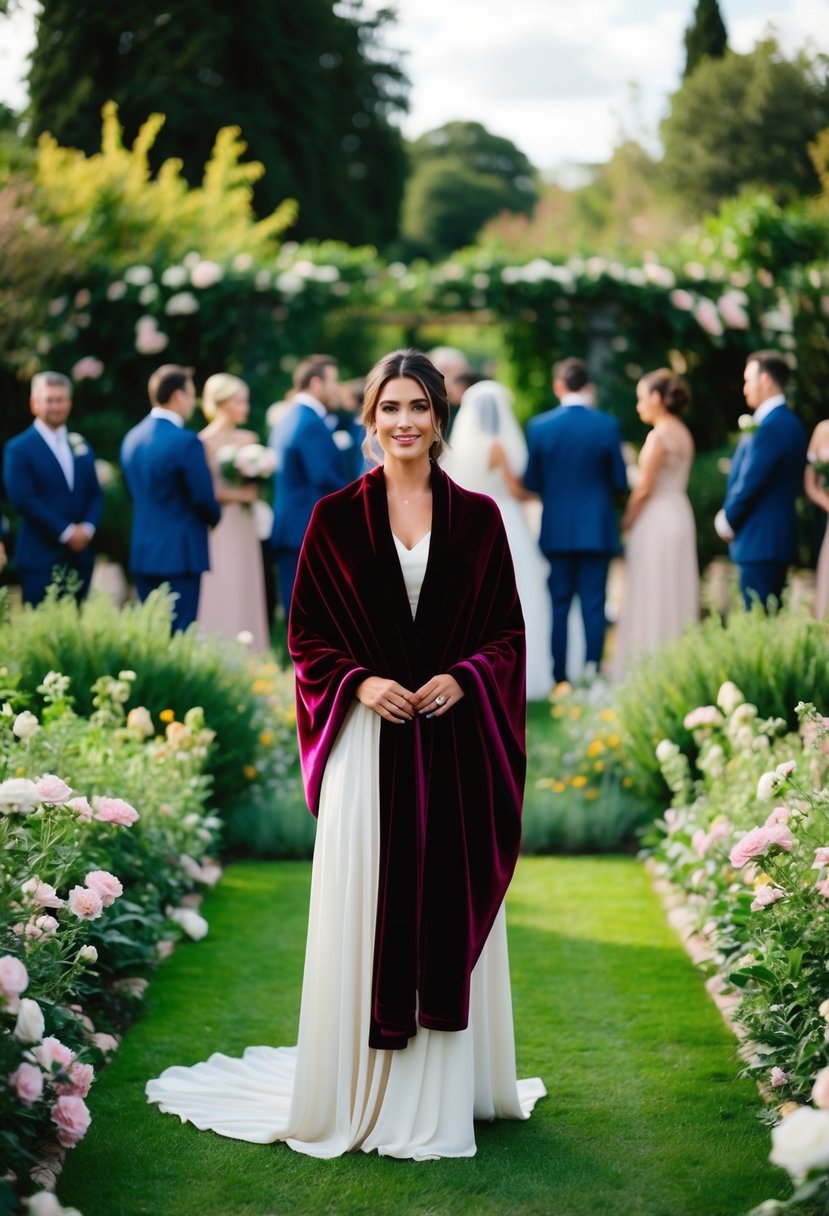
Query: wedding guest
(172, 491)
(308, 462)
(232, 599)
(758, 516)
(489, 455)
(453, 365)
(816, 484)
(575, 464)
(410, 710)
(51, 482)
(661, 570)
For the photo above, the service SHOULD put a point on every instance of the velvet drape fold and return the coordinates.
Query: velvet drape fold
(451, 787)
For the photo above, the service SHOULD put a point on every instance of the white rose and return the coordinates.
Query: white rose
(18, 794)
(801, 1142)
(729, 697)
(87, 954)
(25, 725)
(666, 750)
(190, 921)
(30, 1025)
(767, 786)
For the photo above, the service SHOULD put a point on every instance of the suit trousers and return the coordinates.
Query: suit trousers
(762, 581)
(584, 574)
(185, 587)
(287, 561)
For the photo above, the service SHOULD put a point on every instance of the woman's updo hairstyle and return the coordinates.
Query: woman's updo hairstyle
(673, 391)
(414, 365)
(218, 389)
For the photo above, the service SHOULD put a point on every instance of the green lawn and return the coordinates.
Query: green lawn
(644, 1114)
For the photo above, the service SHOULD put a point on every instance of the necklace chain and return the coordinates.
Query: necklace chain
(408, 501)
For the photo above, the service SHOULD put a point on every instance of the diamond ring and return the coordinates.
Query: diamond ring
(439, 700)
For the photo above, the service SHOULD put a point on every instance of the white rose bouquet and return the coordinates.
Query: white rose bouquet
(250, 462)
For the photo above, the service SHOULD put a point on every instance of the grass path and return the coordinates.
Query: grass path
(644, 1117)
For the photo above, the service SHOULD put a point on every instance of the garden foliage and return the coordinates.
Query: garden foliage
(746, 841)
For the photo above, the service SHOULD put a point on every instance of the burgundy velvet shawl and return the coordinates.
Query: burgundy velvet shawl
(451, 788)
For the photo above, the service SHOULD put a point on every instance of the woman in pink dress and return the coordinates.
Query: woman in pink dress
(661, 570)
(816, 484)
(232, 599)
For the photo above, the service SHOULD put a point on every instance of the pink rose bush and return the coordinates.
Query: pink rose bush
(759, 889)
(67, 862)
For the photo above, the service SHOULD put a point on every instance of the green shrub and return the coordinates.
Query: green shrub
(777, 660)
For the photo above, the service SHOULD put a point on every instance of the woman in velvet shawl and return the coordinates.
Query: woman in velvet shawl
(408, 641)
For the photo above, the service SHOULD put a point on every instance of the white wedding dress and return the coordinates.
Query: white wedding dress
(332, 1093)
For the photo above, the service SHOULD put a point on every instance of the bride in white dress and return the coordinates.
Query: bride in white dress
(333, 1093)
(488, 453)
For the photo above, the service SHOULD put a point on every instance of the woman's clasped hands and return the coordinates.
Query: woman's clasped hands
(395, 703)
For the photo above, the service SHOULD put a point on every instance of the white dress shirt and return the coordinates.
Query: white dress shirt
(158, 411)
(770, 403)
(58, 442)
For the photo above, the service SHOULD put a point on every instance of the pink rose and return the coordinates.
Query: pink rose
(785, 769)
(758, 841)
(765, 896)
(820, 1089)
(14, 979)
(41, 926)
(41, 893)
(81, 808)
(85, 904)
(104, 884)
(821, 859)
(27, 1083)
(753, 844)
(778, 1078)
(50, 1052)
(72, 1118)
(51, 790)
(106, 1043)
(115, 810)
(822, 888)
(81, 1077)
(780, 814)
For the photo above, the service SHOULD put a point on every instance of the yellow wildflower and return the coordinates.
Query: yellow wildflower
(250, 772)
(261, 688)
(613, 740)
(575, 712)
(559, 787)
(592, 795)
(595, 748)
(265, 738)
(579, 781)
(558, 711)
(598, 767)
(167, 715)
(608, 715)
(627, 782)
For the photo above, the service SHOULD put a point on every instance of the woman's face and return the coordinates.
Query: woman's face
(648, 403)
(404, 420)
(237, 407)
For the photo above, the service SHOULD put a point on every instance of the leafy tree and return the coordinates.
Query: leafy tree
(745, 121)
(462, 176)
(307, 84)
(705, 36)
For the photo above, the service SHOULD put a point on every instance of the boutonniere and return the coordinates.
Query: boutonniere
(77, 443)
(747, 423)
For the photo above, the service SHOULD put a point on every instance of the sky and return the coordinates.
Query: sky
(560, 78)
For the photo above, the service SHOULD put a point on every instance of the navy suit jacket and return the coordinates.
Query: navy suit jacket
(575, 463)
(765, 479)
(38, 490)
(167, 475)
(308, 466)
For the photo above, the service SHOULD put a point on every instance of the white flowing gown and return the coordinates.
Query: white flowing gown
(332, 1093)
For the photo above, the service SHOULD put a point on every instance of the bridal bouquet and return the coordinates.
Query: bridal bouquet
(821, 467)
(250, 462)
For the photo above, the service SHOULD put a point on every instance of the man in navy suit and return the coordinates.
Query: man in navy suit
(51, 481)
(575, 463)
(309, 464)
(758, 516)
(174, 505)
